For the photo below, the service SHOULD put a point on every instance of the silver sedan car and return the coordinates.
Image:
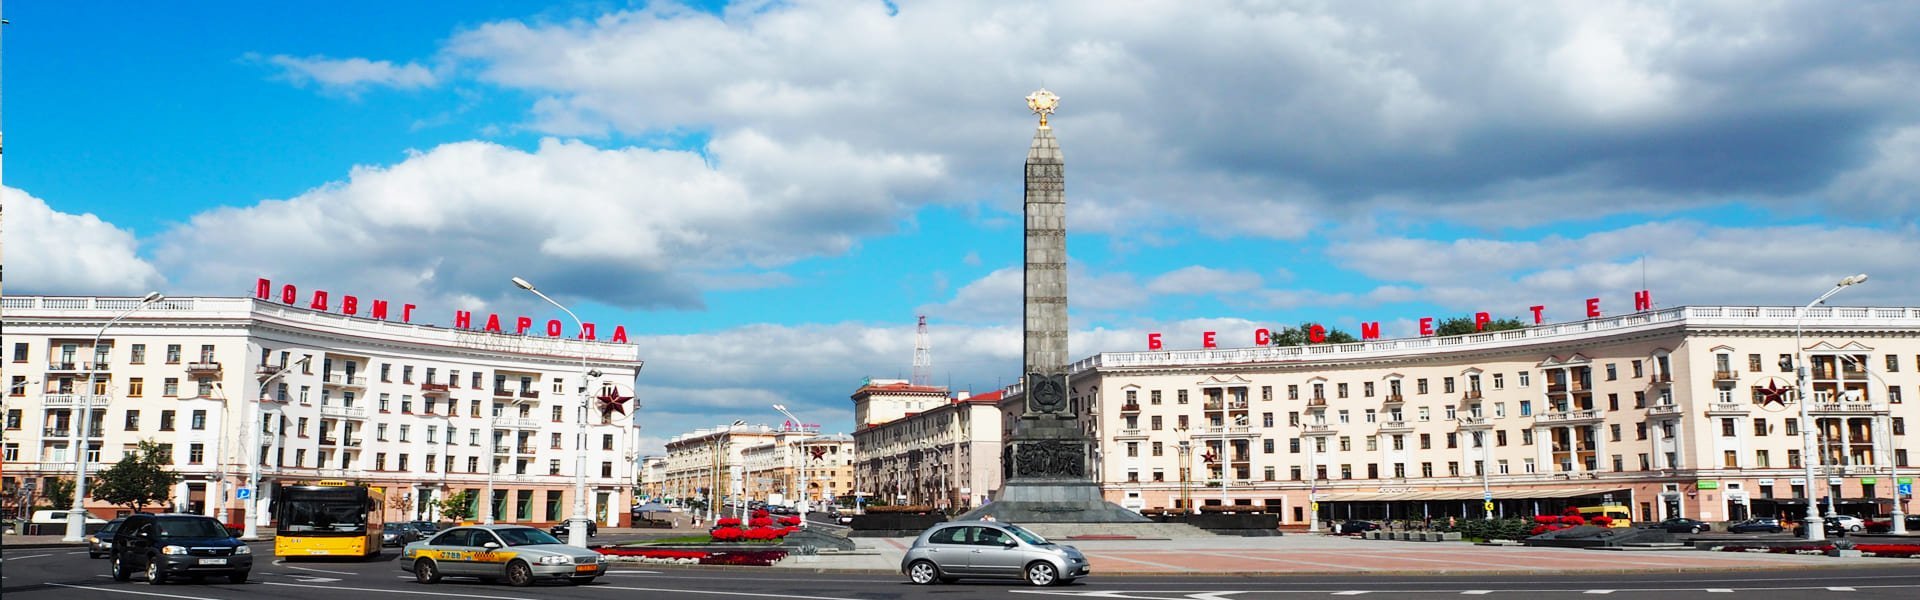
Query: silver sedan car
(957, 549)
(518, 554)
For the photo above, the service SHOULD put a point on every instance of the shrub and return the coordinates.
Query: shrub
(761, 514)
(760, 522)
(789, 521)
(728, 522)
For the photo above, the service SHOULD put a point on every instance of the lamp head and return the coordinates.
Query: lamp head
(523, 284)
(780, 407)
(1861, 278)
(152, 297)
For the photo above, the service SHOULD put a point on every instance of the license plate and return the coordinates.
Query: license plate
(585, 569)
(213, 561)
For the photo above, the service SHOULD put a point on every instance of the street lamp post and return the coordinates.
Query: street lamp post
(805, 494)
(1313, 488)
(1185, 467)
(1815, 528)
(254, 426)
(578, 524)
(77, 519)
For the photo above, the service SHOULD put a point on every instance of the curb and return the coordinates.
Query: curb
(800, 570)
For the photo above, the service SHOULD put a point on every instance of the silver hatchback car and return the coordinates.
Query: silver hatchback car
(956, 549)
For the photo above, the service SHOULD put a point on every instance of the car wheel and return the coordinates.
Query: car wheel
(519, 574)
(923, 572)
(237, 577)
(424, 571)
(1696, 529)
(582, 580)
(154, 576)
(119, 570)
(1855, 529)
(1042, 573)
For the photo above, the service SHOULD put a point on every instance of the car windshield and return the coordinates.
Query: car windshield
(1027, 536)
(525, 536)
(191, 528)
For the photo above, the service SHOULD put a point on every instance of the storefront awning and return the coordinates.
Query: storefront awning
(1421, 496)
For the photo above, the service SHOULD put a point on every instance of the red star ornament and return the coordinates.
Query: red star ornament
(612, 402)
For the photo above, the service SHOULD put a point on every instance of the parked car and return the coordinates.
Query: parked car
(399, 534)
(100, 543)
(175, 545)
(1351, 527)
(1763, 524)
(1884, 524)
(1683, 525)
(425, 528)
(1845, 523)
(949, 551)
(518, 554)
(561, 529)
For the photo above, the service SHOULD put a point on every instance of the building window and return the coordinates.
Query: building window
(173, 354)
(1727, 427)
(1893, 363)
(1426, 441)
(1762, 459)
(1447, 384)
(406, 374)
(1759, 426)
(166, 420)
(1180, 396)
(1153, 397)
(199, 422)
(170, 387)
(405, 430)
(1293, 446)
(1526, 437)
(133, 420)
(1293, 391)
(1638, 370)
(196, 453)
(1793, 426)
(1158, 447)
(556, 414)
(1420, 385)
(1612, 372)
(1155, 420)
(136, 387)
(1266, 419)
(1613, 402)
(1526, 408)
(1341, 389)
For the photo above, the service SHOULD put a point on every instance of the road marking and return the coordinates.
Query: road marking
(1349, 593)
(26, 557)
(626, 572)
(1150, 564)
(121, 591)
(1476, 592)
(417, 593)
(283, 563)
(716, 593)
(1598, 592)
(1719, 591)
(1841, 589)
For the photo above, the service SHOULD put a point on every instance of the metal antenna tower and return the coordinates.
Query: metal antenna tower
(922, 355)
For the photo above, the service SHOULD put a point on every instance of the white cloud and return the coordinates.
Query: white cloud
(51, 252)
(350, 75)
(626, 227)
(1200, 280)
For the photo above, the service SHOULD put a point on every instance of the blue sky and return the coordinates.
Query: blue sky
(767, 193)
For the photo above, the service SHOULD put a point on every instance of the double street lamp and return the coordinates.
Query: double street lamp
(77, 519)
(578, 524)
(806, 495)
(1881, 432)
(255, 427)
(1815, 527)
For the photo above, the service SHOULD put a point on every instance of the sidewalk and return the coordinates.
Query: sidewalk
(1315, 554)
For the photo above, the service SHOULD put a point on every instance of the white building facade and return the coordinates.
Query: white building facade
(930, 449)
(420, 411)
(1675, 412)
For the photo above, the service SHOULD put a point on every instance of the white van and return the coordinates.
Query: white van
(59, 517)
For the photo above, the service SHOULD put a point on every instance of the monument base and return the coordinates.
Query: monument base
(1044, 501)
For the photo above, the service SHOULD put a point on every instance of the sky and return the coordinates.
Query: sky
(768, 194)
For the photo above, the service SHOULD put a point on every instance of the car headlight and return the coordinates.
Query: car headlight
(173, 549)
(243, 549)
(556, 560)
(93, 540)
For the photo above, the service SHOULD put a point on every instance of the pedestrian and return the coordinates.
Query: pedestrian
(1450, 524)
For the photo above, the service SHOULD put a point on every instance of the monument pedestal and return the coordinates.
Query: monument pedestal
(1042, 501)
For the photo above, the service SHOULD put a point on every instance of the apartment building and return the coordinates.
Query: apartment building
(916, 445)
(1686, 411)
(228, 384)
(773, 470)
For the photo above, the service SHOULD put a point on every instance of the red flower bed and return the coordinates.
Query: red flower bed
(756, 558)
(760, 522)
(728, 522)
(789, 521)
(761, 514)
(1890, 550)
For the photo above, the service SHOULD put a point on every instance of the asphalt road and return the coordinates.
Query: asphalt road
(62, 574)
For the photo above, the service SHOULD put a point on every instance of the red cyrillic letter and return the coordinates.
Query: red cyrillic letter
(350, 305)
(1537, 319)
(263, 289)
(586, 332)
(379, 310)
(493, 323)
(1206, 339)
(1370, 330)
(289, 295)
(1316, 334)
(461, 319)
(521, 325)
(1593, 308)
(1262, 337)
(1643, 300)
(553, 328)
(619, 334)
(406, 313)
(1153, 341)
(1426, 325)
(319, 300)
(1480, 321)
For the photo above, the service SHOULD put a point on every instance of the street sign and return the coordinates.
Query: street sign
(1489, 506)
(1906, 489)
(243, 493)
(1487, 496)
(1315, 507)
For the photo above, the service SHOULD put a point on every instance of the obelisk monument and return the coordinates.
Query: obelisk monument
(1045, 462)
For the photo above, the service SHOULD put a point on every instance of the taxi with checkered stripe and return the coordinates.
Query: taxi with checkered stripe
(516, 554)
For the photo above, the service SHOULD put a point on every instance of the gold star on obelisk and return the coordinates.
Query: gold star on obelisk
(1043, 103)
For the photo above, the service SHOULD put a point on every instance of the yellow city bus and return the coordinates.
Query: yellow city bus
(331, 518)
(1621, 515)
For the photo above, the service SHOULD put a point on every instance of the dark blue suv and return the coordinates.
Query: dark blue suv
(172, 545)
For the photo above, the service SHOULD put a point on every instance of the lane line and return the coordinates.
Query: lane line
(121, 591)
(1841, 589)
(283, 563)
(1476, 592)
(1292, 561)
(1719, 591)
(715, 593)
(26, 557)
(1175, 568)
(417, 593)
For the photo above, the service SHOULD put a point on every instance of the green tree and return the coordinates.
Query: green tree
(59, 492)
(1464, 325)
(1297, 336)
(457, 507)
(141, 478)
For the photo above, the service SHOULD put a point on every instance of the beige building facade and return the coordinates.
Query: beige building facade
(774, 470)
(935, 451)
(1674, 412)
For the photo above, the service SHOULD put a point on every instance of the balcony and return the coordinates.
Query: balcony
(327, 441)
(1663, 410)
(431, 389)
(1395, 427)
(1317, 430)
(1212, 406)
(56, 432)
(1727, 409)
(1571, 417)
(1662, 377)
(1475, 424)
(530, 394)
(503, 392)
(513, 423)
(1396, 399)
(1725, 376)
(347, 412)
(1844, 408)
(266, 369)
(1556, 387)
(203, 368)
(51, 400)
(1318, 403)
(529, 449)
(1471, 396)
(1130, 433)
(354, 381)
(1127, 408)
(78, 366)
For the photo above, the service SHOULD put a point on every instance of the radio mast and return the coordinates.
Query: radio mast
(922, 356)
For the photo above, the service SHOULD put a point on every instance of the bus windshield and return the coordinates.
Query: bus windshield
(323, 511)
